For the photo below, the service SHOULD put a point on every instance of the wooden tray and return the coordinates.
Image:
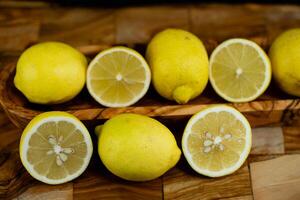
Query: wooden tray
(260, 23)
(272, 107)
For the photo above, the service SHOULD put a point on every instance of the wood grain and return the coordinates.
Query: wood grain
(234, 17)
(292, 139)
(277, 178)
(24, 32)
(13, 177)
(183, 183)
(78, 26)
(93, 29)
(271, 106)
(25, 3)
(139, 24)
(98, 183)
(82, 26)
(257, 158)
(267, 140)
(43, 191)
(247, 197)
(75, 26)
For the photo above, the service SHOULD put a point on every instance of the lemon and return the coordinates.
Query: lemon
(179, 65)
(217, 141)
(136, 147)
(50, 73)
(55, 147)
(118, 77)
(239, 70)
(284, 56)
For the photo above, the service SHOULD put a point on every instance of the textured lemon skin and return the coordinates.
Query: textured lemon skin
(285, 61)
(50, 73)
(37, 119)
(179, 65)
(136, 147)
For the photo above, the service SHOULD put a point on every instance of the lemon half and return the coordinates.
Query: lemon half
(55, 147)
(217, 141)
(239, 70)
(118, 77)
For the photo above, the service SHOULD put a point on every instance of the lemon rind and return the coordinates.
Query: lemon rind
(264, 57)
(137, 97)
(243, 155)
(33, 126)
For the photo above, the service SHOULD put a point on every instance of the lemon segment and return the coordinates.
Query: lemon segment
(217, 141)
(239, 70)
(118, 77)
(55, 147)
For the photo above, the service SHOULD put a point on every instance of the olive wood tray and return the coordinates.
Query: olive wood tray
(272, 107)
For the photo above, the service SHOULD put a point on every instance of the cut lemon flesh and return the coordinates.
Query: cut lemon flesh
(55, 147)
(239, 70)
(217, 141)
(118, 77)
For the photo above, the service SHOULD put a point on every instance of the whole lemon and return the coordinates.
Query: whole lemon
(179, 65)
(50, 73)
(285, 60)
(136, 147)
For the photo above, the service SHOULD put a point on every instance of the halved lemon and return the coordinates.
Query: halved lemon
(118, 77)
(239, 70)
(55, 147)
(217, 141)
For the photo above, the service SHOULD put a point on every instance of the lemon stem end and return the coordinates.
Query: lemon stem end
(182, 94)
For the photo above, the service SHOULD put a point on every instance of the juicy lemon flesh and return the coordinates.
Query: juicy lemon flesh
(56, 150)
(238, 71)
(216, 141)
(117, 77)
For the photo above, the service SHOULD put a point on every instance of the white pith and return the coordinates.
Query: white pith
(25, 146)
(119, 77)
(243, 155)
(263, 57)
